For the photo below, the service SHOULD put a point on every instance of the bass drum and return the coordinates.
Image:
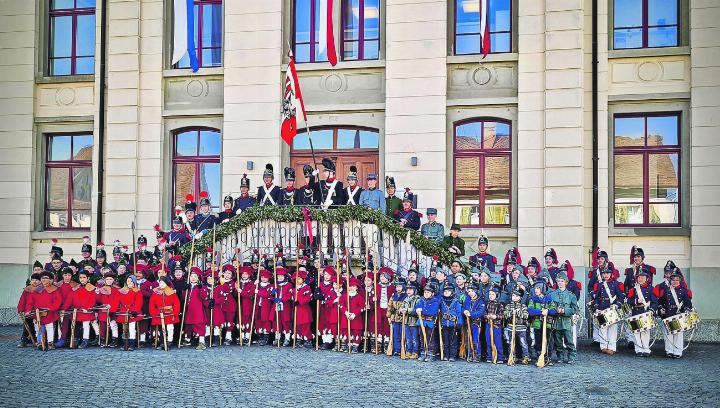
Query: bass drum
(641, 323)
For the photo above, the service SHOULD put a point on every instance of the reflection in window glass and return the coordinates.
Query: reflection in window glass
(209, 143)
(196, 165)
(467, 190)
(59, 147)
(82, 147)
(645, 23)
(468, 37)
(348, 139)
(369, 139)
(321, 138)
(186, 144)
(208, 28)
(71, 48)
(497, 190)
(647, 175)
(68, 181)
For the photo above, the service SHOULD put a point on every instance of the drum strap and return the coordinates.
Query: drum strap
(607, 290)
(641, 297)
(675, 298)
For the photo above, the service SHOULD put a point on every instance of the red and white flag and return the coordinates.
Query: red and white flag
(327, 36)
(484, 27)
(292, 101)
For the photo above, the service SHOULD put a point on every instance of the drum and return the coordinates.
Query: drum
(681, 322)
(626, 309)
(607, 317)
(642, 322)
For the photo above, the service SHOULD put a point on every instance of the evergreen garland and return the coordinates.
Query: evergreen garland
(332, 216)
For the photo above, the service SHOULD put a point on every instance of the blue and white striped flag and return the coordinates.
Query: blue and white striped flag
(184, 33)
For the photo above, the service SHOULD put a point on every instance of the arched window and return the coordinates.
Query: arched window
(196, 164)
(482, 173)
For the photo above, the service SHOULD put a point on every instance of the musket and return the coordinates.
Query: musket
(295, 292)
(511, 357)
(402, 337)
(492, 341)
(43, 338)
(442, 353)
(365, 323)
(377, 300)
(164, 330)
(543, 348)
(317, 304)
(72, 329)
(212, 291)
(471, 355)
(424, 334)
(277, 312)
(255, 290)
(187, 290)
(337, 282)
(27, 329)
(239, 302)
(107, 326)
(347, 290)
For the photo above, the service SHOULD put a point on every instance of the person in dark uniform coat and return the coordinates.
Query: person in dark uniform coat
(482, 254)
(310, 192)
(332, 191)
(392, 203)
(244, 201)
(205, 220)
(290, 195)
(268, 193)
(408, 217)
(227, 213)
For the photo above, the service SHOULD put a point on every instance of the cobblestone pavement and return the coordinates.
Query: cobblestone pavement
(234, 376)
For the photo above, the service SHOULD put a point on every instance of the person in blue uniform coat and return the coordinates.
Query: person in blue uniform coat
(227, 213)
(372, 197)
(427, 309)
(205, 220)
(310, 192)
(452, 319)
(433, 230)
(605, 294)
(474, 311)
(673, 300)
(290, 195)
(641, 299)
(268, 193)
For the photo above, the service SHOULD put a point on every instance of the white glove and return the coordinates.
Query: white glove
(315, 172)
(239, 210)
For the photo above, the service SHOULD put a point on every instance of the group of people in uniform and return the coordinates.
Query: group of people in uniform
(479, 311)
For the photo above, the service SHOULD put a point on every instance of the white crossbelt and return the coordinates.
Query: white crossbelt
(351, 195)
(267, 196)
(331, 191)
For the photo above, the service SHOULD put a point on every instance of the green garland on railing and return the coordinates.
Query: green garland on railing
(332, 216)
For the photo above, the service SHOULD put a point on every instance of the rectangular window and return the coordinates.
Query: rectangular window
(360, 30)
(483, 170)
(647, 169)
(645, 23)
(71, 48)
(68, 181)
(306, 31)
(196, 165)
(208, 15)
(468, 36)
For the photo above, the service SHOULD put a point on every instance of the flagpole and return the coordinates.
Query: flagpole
(312, 149)
(307, 125)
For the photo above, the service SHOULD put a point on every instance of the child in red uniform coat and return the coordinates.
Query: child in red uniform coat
(352, 305)
(228, 301)
(164, 300)
(195, 310)
(384, 291)
(46, 300)
(246, 290)
(213, 304)
(83, 300)
(282, 296)
(130, 305)
(303, 314)
(23, 307)
(328, 299)
(264, 308)
(108, 299)
(65, 287)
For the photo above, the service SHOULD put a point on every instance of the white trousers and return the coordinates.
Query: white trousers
(642, 341)
(674, 343)
(607, 337)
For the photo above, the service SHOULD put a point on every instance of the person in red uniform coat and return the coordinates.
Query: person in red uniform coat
(83, 300)
(327, 296)
(164, 299)
(212, 300)
(227, 301)
(264, 308)
(130, 305)
(282, 297)
(302, 296)
(24, 306)
(108, 300)
(65, 286)
(146, 289)
(47, 300)
(352, 305)
(195, 310)
(384, 292)
(246, 290)
(368, 292)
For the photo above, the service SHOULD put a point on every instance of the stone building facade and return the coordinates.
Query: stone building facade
(410, 104)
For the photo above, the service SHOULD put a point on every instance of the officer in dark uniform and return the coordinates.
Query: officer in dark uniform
(310, 192)
(268, 193)
(244, 201)
(353, 190)
(332, 191)
(482, 253)
(637, 261)
(178, 236)
(205, 220)
(453, 243)
(406, 216)
(86, 251)
(290, 195)
(227, 213)
(56, 254)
